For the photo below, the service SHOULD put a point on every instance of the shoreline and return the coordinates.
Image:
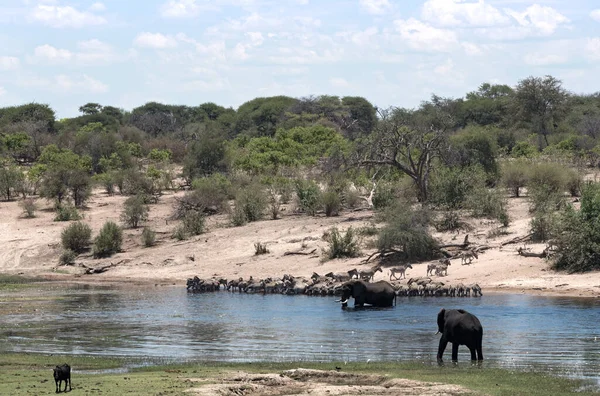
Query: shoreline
(584, 293)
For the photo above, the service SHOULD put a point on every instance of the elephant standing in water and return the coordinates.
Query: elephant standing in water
(460, 328)
(377, 294)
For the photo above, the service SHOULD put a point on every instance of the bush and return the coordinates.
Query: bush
(451, 187)
(274, 204)
(351, 198)
(340, 246)
(29, 207)
(407, 230)
(308, 195)
(332, 203)
(67, 257)
(541, 226)
(552, 176)
(573, 182)
(76, 237)
(134, 211)
(180, 234)
(194, 223)
(577, 234)
(545, 199)
(148, 237)
(514, 176)
(66, 212)
(489, 203)
(260, 248)
(252, 201)
(384, 196)
(238, 217)
(109, 241)
(450, 221)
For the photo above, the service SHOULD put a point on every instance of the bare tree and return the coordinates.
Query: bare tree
(408, 141)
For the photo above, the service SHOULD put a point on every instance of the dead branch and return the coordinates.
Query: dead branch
(517, 240)
(298, 253)
(97, 270)
(524, 253)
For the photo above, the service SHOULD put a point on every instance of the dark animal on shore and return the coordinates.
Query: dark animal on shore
(62, 373)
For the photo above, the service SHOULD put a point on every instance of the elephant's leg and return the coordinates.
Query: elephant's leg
(473, 355)
(479, 350)
(455, 351)
(441, 348)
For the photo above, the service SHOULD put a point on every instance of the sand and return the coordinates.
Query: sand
(32, 247)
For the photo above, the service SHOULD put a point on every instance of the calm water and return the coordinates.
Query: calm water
(166, 324)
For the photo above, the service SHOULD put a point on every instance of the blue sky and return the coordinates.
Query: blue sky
(393, 52)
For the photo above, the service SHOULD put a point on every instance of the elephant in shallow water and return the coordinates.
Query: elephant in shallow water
(377, 294)
(460, 328)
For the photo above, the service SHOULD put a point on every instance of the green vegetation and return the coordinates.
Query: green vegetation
(108, 241)
(29, 207)
(148, 237)
(134, 211)
(76, 237)
(342, 245)
(30, 373)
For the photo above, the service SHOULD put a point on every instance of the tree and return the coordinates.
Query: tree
(205, 155)
(489, 105)
(409, 141)
(11, 181)
(262, 116)
(65, 172)
(541, 104)
(90, 108)
(134, 212)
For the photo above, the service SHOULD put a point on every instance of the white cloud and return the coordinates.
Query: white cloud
(154, 40)
(338, 82)
(184, 8)
(595, 15)
(538, 59)
(471, 49)
(592, 48)
(542, 19)
(9, 63)
(256, 38)
(423, 37)
(83, 84)
(2, 91)
(64, 17)
(98, 7)
(461, 13)
(376, 7)
(48, 53)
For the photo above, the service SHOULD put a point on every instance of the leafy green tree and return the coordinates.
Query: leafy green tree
(489, 105)
(474, 146)
(76, 237)
(90, 108)
(66, 172)
(262, 116)
(11, 180)
(205, 156)
(540, 102)
(134, 212)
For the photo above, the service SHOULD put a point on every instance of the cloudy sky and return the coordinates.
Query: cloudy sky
(393, 52)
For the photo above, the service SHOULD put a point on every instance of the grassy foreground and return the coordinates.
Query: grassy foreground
(29, 374)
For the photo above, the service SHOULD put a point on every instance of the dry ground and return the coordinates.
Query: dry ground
(32, 247)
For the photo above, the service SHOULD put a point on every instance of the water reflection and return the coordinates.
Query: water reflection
(554, 334)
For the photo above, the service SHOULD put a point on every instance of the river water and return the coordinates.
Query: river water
(554, 334)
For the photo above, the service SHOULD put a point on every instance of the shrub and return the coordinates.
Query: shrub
(76, 237)
(545, 199)
(340, 246)
(541, 226)
(514, 176)
(577, 233)
(351, 198)
(450, 187)
(252, 201)
(237, 216)
(368, 230)
(332, 203)
(407, 230)
(179, 233)
(384, 196)
(194, 223)
(148, 237)
(260, 248)
(573, 182)
(29, 207)
(134, 211)
(108, 241)
(274, 204)
(450, 221)
(489, 203)
(552, 176)
(66, 212)
(67, 257)
(308, 195)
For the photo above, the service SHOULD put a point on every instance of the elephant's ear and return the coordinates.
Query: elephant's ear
(441, 319)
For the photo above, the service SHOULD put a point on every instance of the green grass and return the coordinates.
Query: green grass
(9, 283)
(26, 374)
